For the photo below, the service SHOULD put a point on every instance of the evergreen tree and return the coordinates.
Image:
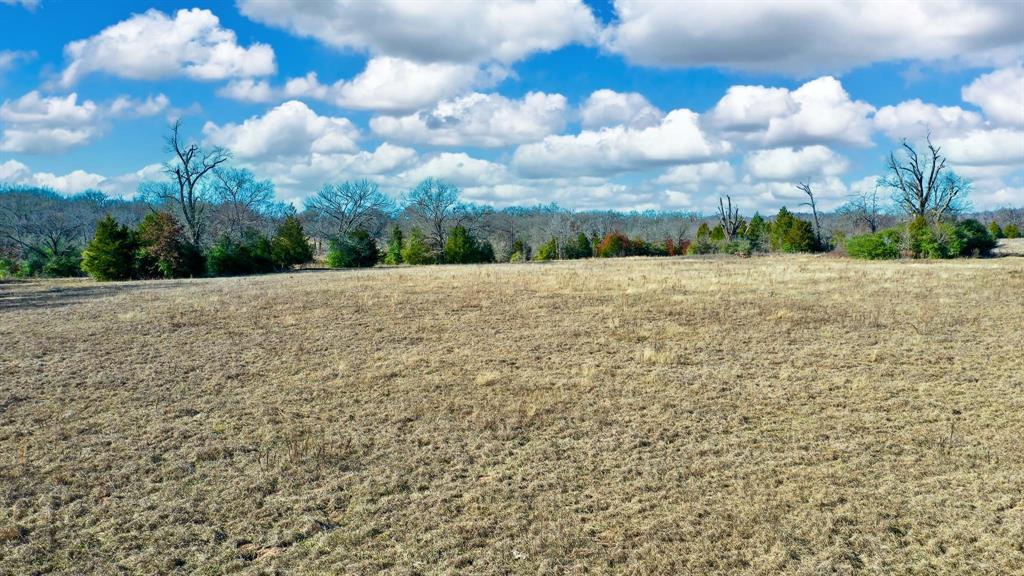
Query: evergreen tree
(791, 234)
(995, 230)
(163, 250)
(547, 250)
(1011, 231)
(461, 247)
(755, 232)
(393, 256)
(415, 251)
(110, 255)
(357, 249)
(290, 246)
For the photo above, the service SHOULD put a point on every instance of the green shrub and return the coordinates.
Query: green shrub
(883, 245)
(739, 247)
(995, 230)
(462, 248)
(290, 246)
(1011, 231)
(547, 250)
(971, 238)
(110, 255)
(580, 248)
(393, 256)
(253, 254)
(356, 249)
(756, 232)
(415, 250)
(791, 234)
(718, 234)
(62, 265)
(925, 240)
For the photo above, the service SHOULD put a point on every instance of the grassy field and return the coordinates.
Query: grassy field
(793, 415)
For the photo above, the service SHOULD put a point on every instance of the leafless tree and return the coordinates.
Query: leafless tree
(40, 222)
(191, 164)
(241, 199)
(864, 208)
(805, 187)
(729, 218)
(922, 183)
(435, 206)
(349, 206)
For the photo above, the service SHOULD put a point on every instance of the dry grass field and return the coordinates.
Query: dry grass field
(777, 415)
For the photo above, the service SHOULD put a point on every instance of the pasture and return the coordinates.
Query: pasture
(769, 415)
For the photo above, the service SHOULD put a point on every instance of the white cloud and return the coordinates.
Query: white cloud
(29, 4)
(457, 168)
(463, 32)
(787, 164)
(914, 119)
(818, 112)
(985, 147)
(488, 120)
(15, 172)
(152, 45)
(692, 176)
(677, 139)
(386, 84)
(610, 108)
(1000, 95)
(813, 37)
(8, 58)
(291, 129)
(44, 124)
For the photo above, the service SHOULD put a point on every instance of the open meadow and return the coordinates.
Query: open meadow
(769, 415)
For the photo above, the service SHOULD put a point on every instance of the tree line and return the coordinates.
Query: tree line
(209, 218)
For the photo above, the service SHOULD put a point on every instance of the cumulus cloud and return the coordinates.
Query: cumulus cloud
(677, 139)
(787, 164)
(692, 176)
(914, 119)
(8, 58)
(1000, 95)
(153, 45)
(487, 120)
(985, 147)
(386, 84)
(610, 108)
(291, 129)
(805, 38)
(40, 124)
(818, 112)
(15, 172)
(467, 32)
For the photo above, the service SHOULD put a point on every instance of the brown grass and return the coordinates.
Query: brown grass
(794, 415)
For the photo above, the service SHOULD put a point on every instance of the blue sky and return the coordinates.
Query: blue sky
(626, 105)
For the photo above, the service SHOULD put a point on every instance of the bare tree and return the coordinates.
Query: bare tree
(436, 206)
(242, 199)
(190, 166)
(350, 206)
(729, 217)
(864, 208)
(40, 221)
(805, 187)
(922, 183)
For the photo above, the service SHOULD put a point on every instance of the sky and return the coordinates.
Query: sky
(624, 105)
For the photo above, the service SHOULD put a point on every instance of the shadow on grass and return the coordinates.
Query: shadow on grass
(22, 295)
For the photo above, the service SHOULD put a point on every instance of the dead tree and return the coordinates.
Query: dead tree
(188, 168)
(729, 218)
(922, 184)
(805, 187)
(865, 208)
(351, 206)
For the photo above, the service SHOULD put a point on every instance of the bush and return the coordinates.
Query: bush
(927, 241)
(995, 230)
(883, 245)
(971, 238)
(1011, 231)
(354, 250)
(520, 252)
(110, 255)
(252, 254)
(163, 250)
(393, 256)
(462, 248)
(791, 234)
(415, 251)
(290, 247)
(67, 263)
(580, 248)
(614, 245)
(547, 250)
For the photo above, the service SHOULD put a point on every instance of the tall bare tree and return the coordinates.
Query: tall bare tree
(805, 187)
(349, 206)
(435, 205)
(864, 208)
(242, 200)
(191, 164)
(40, 222)
(922, 183)
(729, 217)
